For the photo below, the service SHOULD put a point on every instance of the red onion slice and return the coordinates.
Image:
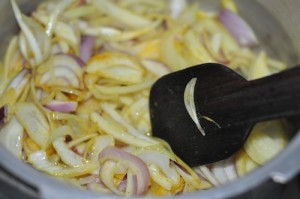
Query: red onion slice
(123, 184)
(135, 164)
(86, 48)
(239, 28)
(4, 111)
(63, 107)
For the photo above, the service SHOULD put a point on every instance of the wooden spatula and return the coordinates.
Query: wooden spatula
(227, 107)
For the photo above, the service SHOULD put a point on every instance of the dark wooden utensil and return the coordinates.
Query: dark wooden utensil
(232, 102)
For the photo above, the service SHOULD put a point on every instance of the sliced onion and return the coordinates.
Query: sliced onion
(101, 142)
(113, 113)
(155, 67)
(158, 176)
(239, 28)
(176, 7)
(4, 111)
(65, 31)
(189, 103)
(259, 68)
(243, 163)
(35, 123)
(123, 74)
(67, 155)
(19, 82)
(129, 184)
(96, 187)
(162, 161)
(117, 132)
(219, 172)
(208, 175)
(116, 66)
(190, 176)
(66, 69)
(121, 90)
(126, 16)
(64, 107)
(133, 163)
(123, 184)
(266, 142)
(86, 48)
(89, 179)
(41, 162)
(170, 50)
(11, 136)
(36, 39)
(107, 172)
(230, 170)
(59, 8)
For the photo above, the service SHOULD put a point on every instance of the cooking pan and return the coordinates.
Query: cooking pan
(277, 24)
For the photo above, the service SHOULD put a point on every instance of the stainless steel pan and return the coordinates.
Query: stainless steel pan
(277, 23)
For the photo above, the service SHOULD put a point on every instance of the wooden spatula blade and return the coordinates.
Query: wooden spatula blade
(167, 99)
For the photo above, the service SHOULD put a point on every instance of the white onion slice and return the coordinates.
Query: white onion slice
(19, 82)
(176, 7)
(117, 132)
(230, 170)
(28, 33)
(11, 136)
(190, 103)
(110, 110)
(219, 172)
(67, 70)
(155, 67)
(126, 16)
(41, 162)
(67, 155)
(239, 28)
(35, 123)
(101, 142)
(208, 175)
(162, 161)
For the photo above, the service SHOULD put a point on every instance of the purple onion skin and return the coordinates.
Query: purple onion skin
(3, 116)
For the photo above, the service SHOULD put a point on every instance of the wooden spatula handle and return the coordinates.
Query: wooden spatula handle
(271, 97)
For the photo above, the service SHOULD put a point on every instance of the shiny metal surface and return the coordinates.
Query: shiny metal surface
(278, 27)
